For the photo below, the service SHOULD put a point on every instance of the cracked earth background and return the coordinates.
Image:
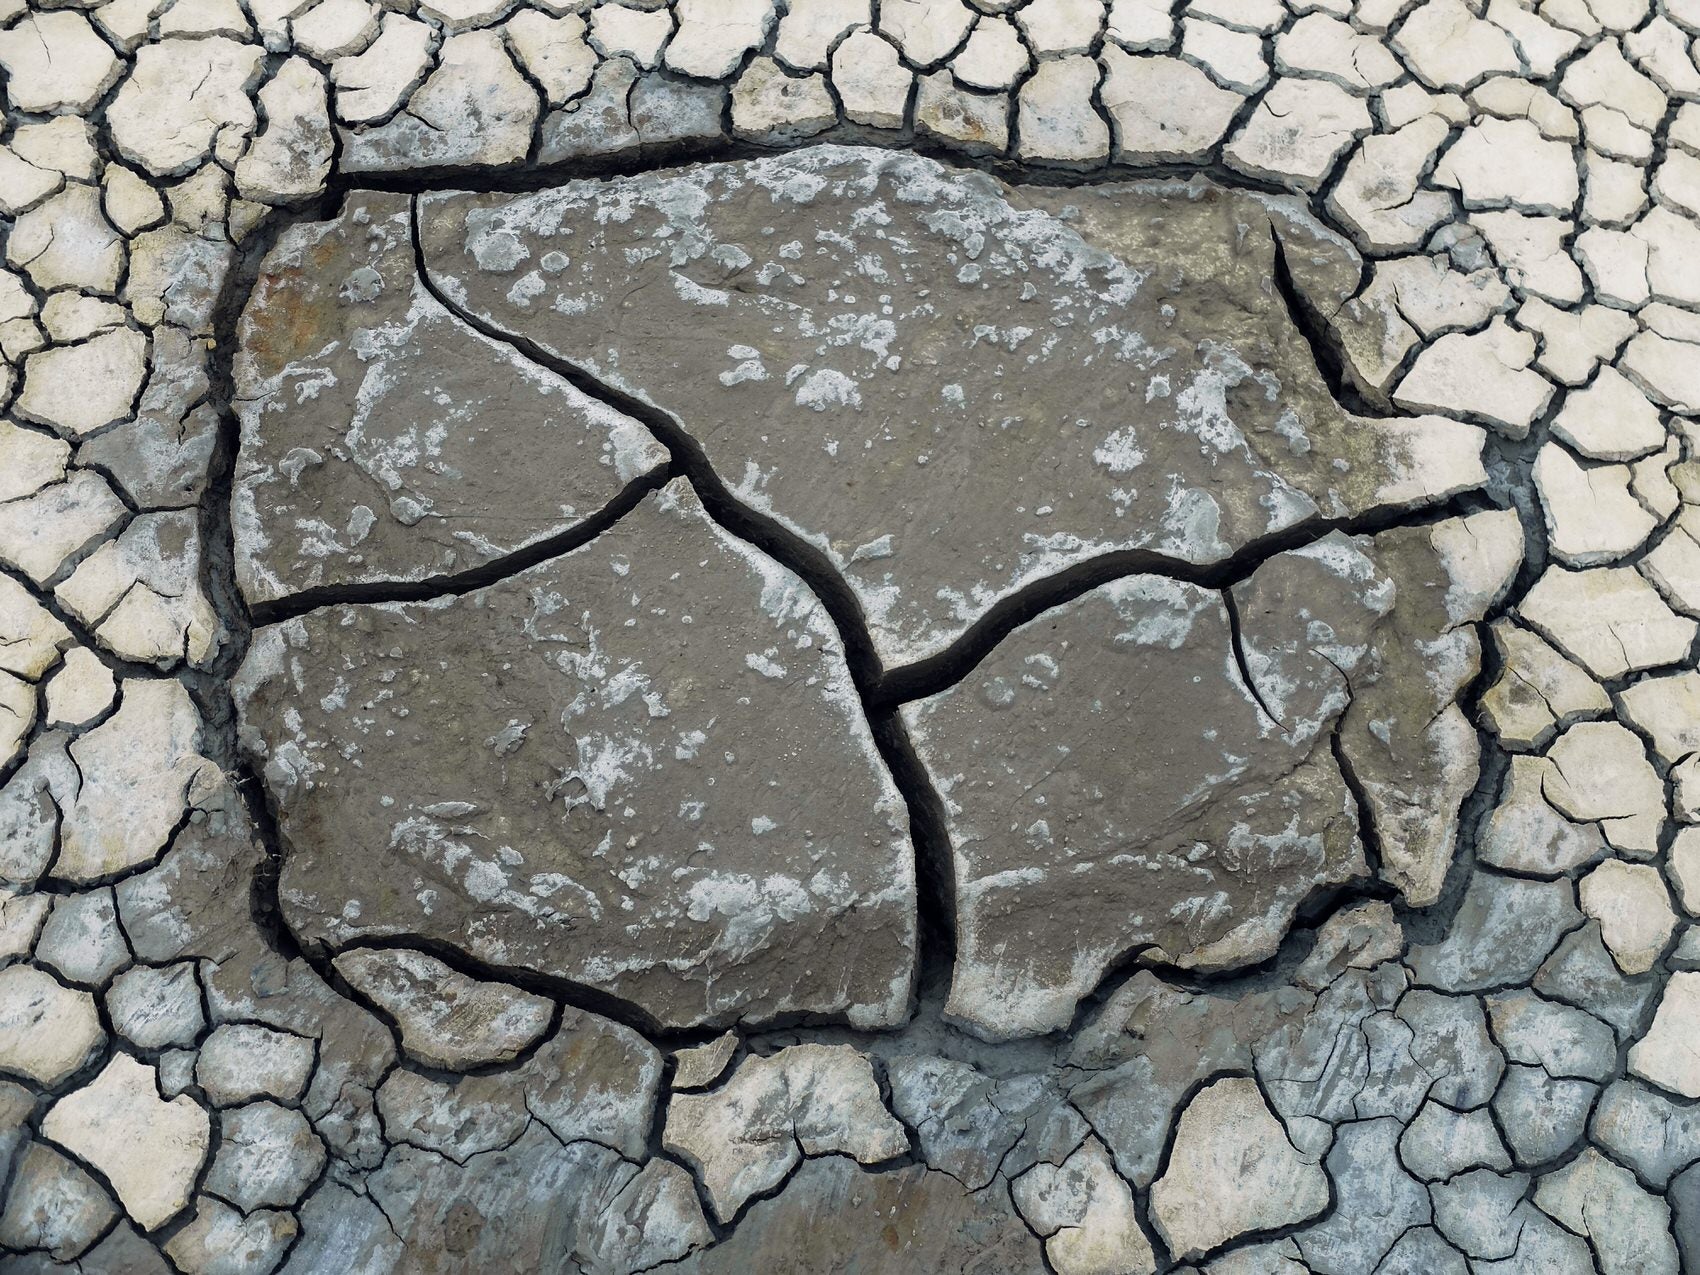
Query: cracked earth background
(898, 636)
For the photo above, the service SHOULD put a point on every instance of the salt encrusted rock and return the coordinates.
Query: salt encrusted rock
(78, 389)
(1603, 75)
(55, 61)
(144, 761)
(218, 1237)
(1376, 1201)
(769, 105)
(746, 1136)
(1667, 239)
(896, 402)
(871, 81)
(1507, 163)
(1441, 1143)
(150, 1150)
(1673, 564)
(63, 145)
(384, 439)
(475, 108)
(183, 99)
(141, 594)
(29, 460)
(338, 1225)
(155, 1008)
(53, 1206)
(25, 185)
(902, 1219)
(1232, 1170)
(1600, 773)
(975, 123)
(371, 86)
(580, 1204)
(162, 458)
(242, 1061)
(446, 1019)
(1616, 265)
(714, 35)
(1085, 1215)
(810, 28)
(1234, 59)
(291, 156)
(332, 29)
(30, 638)
(67, 242)
(175, 277)
(1502, 932)
(1379, 198)
(267, 1157)
(702, 678)
(1608, 619)
(1667, 710)
(81, 940)
(1538, 691)
(82, 691)
(1645, 1130)
(654, 1218)
(1592, 516)
(625, 31)
(47, 1030)
(624, 111)
(1164, 109)
(592, 1079)
(1541, 1116)
(1433, 298)
(1297, 132)
(41, 532)
(1482, 1213)
(1056, 121)
(1061, 26)
(966, 1123)
(1684, 865)
(17, 716)
(1628, 1226)
(925, 30)
(1483, 376)
(1558, 1038)
(1665, 369)
(1449, 47)
(1665, 1055)
(993, 58)
(553, 51)
(1613, 193)
(68, 317)
(699, 1066)
(1141, 26)
(1610, 419)
(1581, 972)
(1633, 908)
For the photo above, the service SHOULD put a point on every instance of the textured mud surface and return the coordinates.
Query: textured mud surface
(1009, 636)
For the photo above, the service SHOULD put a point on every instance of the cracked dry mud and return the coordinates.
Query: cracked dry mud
(824, 636)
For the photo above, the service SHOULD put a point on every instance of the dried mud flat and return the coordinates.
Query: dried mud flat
(849, 637)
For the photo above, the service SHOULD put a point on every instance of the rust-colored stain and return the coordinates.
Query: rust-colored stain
(290, 310)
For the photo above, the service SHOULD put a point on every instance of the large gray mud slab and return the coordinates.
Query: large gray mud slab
(953, 387)
(641, 767)
(383, 438)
